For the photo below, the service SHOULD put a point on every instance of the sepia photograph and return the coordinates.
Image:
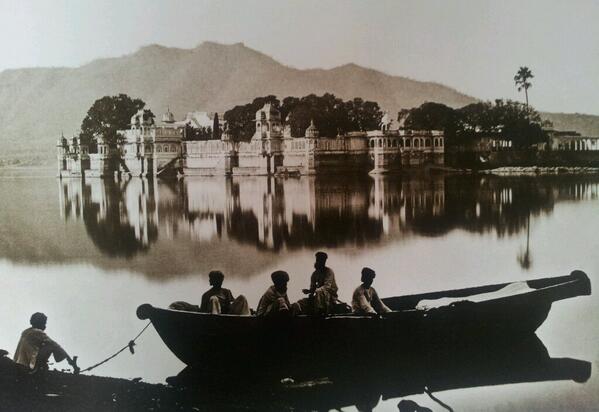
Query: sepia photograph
(285, 205)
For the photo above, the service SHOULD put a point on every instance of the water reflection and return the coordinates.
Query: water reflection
(121, 218)
(125, 218)
(384, 372)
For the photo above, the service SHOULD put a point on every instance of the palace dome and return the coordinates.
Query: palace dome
(168, 117)
(312, 131)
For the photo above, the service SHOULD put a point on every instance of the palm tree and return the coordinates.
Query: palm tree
(522, 80)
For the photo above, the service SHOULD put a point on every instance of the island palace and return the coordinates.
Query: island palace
(148, 149)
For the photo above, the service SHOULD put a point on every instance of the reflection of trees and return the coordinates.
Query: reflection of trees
(490, 203)
(119, 216)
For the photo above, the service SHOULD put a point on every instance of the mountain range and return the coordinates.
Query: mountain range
(38, 104)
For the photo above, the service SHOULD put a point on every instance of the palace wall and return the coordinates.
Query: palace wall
(149, 150)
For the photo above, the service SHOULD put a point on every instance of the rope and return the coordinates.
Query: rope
(429, 393)
(130, 346)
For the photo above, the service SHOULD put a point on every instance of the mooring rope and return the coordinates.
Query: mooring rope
(430, 394)
(130, 345)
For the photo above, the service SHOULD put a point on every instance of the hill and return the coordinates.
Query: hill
(585, 124)
(36, 105)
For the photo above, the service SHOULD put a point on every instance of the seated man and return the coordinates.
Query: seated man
(220, 300)
(35, 347)
(322, 294)
(275, 302)
(216, 300)
(365, 299)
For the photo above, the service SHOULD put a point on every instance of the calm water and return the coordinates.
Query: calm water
(87, 254)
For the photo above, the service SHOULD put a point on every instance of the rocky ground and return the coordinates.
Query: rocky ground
(52, 391)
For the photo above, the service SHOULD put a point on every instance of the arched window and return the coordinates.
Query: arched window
(428, 142)
(416, 142)
(408, 143)
(371, 143)
(380, 143)
(400, 142)
(158, 148)
(394, 143)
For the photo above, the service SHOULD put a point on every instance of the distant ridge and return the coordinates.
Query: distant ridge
(37, 104)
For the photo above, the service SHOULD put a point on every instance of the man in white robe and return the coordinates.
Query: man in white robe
(322, 294)
(35, 347)
(365, 300)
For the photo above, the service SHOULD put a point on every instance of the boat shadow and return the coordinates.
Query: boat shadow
(374, 372)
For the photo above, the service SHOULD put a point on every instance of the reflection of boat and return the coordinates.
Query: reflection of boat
(387, 373)
(205, 340)
(376, 376)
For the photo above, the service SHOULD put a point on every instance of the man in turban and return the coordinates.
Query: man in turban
(220, 300)
(365, 300)
(275, 302)
(35, 347)
(322, 294)
(216, 300)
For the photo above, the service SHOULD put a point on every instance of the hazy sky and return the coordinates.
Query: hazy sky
(474, 46)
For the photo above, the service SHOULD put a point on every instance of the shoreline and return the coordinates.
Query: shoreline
(57, 391)
(541, 170)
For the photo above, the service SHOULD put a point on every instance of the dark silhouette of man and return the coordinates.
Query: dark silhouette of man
(322, 294)
(274, 302)
(35, 347)
(220, 300)
(365, 300)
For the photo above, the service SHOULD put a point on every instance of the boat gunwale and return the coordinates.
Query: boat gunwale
(398, 313)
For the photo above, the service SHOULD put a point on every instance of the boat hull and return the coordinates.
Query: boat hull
(210, 341)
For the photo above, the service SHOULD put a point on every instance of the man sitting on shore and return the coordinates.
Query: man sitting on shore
(35, 347)
(275, 302)
(365, 300)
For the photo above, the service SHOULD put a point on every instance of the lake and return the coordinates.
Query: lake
(87, 253)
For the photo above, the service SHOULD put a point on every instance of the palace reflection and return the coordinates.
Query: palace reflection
(124, 218)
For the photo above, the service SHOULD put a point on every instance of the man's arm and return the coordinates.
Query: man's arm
(204, 302)
(378, 303)
(312, 285)
(360, 303)
(60, 354)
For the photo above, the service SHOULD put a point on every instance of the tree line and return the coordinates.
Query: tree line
(331, 115)
(503, 119)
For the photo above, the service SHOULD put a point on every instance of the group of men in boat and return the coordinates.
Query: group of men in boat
(321, 297)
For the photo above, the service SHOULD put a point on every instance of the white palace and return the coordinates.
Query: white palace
(150, 149)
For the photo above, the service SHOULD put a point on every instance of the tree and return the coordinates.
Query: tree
(330, 114)
(216, 132)
(522, 78)
(108, 115)
(507, 120)
(241, 120)
(431, 116)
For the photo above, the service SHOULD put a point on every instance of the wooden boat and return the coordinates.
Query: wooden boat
(475, 315)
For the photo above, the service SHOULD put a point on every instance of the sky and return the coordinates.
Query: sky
(473, 46)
